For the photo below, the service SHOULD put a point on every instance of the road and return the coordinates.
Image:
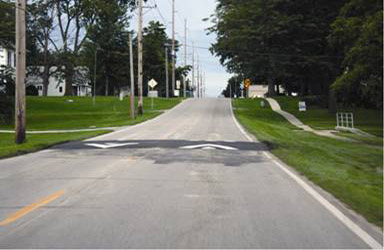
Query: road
(153, 186)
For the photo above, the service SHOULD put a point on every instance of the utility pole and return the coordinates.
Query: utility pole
(198, 76)
(94, 78)
(173, 48)
(185, 56)
(166, 73)
(193, 69)
(140, 59)
(201, 84)
(20, 103)
(132, 92)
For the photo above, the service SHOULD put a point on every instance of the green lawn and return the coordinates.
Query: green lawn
(352, 172)
(368, 120)
(50, 113)
(39, 141)
(47, 113)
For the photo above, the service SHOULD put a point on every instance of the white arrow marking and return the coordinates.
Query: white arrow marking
(209, 146)
(110, 145)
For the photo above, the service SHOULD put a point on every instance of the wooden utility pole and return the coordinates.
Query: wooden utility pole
(132, 91)
(20, 103)
(173, 49)
(198, 76)
(140, 59)
(185, 56)
(94, 78)
(166, 73)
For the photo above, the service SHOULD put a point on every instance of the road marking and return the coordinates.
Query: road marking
(332, 209)
(267, 155)
(30, 208)
(209, 146)
(238, 124)
(336, 212)
(110, 145)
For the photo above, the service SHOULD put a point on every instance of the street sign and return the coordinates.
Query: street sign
(177, 93)
(302, 106)
(247, 83)
(262, 104)
(152, 83)
(153, 94)
(178, 84)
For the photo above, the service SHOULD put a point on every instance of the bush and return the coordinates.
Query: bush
(7, 93)
(32, 90)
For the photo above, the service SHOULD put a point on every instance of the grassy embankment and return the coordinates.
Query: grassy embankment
(352, 172)
(56, 113)
(368, 120)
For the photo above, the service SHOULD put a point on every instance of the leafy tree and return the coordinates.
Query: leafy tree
(276, 42)
(357, 34)
(108, 36)
(7, 23)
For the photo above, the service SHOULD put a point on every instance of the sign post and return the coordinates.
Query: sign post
(302, 107)
(152, 84)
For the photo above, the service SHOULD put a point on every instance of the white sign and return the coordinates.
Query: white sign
(152, 83)
(302, 106)
(177, 93)
(178, 84)
(153, 94)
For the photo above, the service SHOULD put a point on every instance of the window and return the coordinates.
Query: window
(9, 59)
(60, 89)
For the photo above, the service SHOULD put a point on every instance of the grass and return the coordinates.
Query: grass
(37, 142)
(55, 113)
(352, 172)
(49, 113)
(368, 120)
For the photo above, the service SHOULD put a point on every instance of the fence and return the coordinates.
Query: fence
(344, 121)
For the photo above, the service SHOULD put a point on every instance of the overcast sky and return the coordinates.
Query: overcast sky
(194, 11)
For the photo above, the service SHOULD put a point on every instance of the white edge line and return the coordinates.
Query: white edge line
(336, 212)
(238, 124)
(368, 239)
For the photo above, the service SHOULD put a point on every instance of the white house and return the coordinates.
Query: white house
(7, 55)
(57, 83)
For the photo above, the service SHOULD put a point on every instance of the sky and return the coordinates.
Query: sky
(194, 11)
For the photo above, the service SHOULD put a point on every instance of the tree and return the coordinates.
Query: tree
(233, 88)
(41, 27)
(108, 39)
(357, 34)
(276, 42)
(7, 24)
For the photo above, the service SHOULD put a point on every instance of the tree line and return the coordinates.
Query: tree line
(66, 35)
(330, 48)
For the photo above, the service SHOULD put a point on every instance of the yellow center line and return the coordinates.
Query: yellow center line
(30, 208)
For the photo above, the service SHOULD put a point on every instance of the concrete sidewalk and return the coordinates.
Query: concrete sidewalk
(296, 122)
(65, 131)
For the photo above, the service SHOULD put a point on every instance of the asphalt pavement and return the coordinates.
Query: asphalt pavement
(190, 178)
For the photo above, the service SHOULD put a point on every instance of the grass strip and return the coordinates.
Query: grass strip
(37, 142)
(352, 172)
